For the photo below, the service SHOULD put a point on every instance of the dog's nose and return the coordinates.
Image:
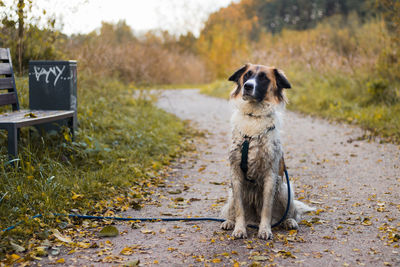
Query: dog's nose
(248, 86)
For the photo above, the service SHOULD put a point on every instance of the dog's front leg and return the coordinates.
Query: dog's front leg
(264, 231)
(240, 220)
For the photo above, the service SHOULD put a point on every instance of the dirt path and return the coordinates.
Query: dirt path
(353, 184)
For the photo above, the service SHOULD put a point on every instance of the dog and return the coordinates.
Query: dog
(258, 192)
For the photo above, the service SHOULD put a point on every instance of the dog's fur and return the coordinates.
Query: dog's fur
(259, 101)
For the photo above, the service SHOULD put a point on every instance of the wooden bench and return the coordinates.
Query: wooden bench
(14, 120)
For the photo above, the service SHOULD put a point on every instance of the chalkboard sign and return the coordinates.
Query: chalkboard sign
(53, 86)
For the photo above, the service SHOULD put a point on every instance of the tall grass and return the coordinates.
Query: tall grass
(336, 72)
(156, 58)
(121, 144)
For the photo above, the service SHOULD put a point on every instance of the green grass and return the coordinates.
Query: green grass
(359, 99)
(121, 146)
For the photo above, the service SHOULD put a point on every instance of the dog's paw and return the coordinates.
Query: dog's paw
(265, 233)
(239, 233)
(227, 225)
(290, 224)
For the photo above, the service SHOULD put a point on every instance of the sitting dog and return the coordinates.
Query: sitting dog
(259, 193)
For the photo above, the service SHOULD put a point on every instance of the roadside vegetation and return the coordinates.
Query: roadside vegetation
(338, 73)
(343, 67)
(122, 147)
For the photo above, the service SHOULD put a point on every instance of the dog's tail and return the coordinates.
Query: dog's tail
(301, 208)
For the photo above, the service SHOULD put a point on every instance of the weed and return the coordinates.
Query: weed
(121, 145)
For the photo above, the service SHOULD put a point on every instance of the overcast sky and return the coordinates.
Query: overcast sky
(178, 16)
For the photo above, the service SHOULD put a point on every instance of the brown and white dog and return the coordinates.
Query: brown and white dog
(259, 194)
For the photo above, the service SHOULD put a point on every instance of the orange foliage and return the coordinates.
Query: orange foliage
(225, 37)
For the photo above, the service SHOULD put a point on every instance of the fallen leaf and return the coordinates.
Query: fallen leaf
(366, 222)
(31, 115)
(147, 231)
(60, 237)
(108, 231)
(17, 248)
(15, 257)
(76, 196)
(260, 258)
(41, 251)
(61, 260)
(177, 191)
(133, 263)
(218, 183)
(126, 251)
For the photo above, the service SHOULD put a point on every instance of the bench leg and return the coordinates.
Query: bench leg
(13, 141)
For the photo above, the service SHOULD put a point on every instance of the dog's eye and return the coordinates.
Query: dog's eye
(248, 75)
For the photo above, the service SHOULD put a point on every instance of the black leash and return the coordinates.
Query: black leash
(244, 167)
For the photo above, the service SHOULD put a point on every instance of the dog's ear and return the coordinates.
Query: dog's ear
(236, 76)
(281, 80)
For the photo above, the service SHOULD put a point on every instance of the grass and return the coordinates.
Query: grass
(359, 99)
(122, 145)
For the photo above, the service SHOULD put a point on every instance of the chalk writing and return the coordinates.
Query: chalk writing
(56, 71)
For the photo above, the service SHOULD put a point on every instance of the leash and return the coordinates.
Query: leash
(89, 217)
(244, 167)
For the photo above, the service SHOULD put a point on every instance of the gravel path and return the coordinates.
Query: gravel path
(353, 183)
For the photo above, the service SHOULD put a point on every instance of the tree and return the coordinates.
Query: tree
(19, 31)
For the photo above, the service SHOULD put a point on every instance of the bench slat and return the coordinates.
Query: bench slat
(7, 99)
(21, 118)
(5, 68)
(3, 54)
(6, 83)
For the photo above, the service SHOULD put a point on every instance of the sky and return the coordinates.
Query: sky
(177, 16)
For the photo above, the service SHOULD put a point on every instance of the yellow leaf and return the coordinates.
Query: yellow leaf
(366, 222)
(126, 251)
(84, 245)
(216, 260)
(67, 137)
(76, 196)
(15, 257)
(31, 115)
(61, 260)
(147, 231)
(155, 262)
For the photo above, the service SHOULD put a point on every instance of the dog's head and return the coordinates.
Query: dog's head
(258, 83)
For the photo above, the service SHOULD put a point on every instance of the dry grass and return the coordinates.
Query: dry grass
(336, 72)
(141, 62)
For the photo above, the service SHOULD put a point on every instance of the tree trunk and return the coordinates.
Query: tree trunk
(20, 47)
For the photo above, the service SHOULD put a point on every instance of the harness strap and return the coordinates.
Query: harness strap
(244, 167)
(245, 154)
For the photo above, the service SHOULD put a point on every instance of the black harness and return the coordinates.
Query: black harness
(245, 154)
(244, 167)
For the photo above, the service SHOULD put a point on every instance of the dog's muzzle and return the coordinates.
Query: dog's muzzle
(249, 89)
